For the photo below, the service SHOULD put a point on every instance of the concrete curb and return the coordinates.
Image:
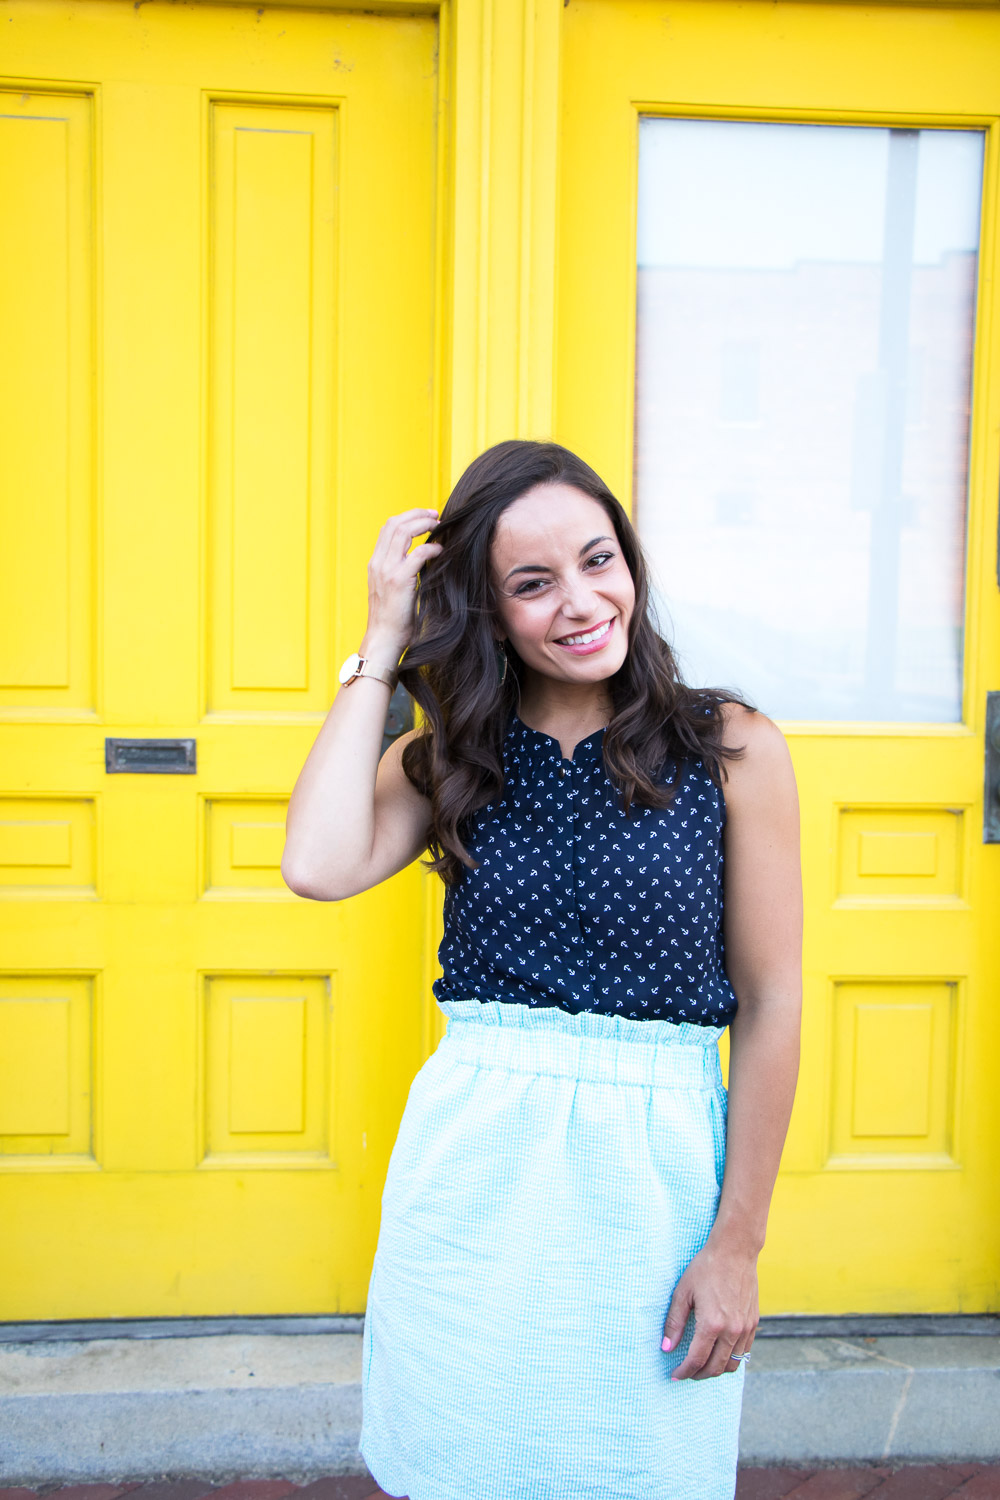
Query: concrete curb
(259, 1405)
(228, 1406)
(933, 1399)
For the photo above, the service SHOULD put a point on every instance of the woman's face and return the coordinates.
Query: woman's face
(559, 572)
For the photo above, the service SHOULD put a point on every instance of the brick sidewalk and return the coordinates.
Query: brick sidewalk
(884, 1482)
(903, 1482)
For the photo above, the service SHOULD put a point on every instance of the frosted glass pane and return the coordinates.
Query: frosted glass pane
(806, 307)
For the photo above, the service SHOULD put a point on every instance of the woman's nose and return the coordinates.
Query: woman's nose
(579, 597)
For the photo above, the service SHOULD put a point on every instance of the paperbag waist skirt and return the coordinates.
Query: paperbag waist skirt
(552, 1177)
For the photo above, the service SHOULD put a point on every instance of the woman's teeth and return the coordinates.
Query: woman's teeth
(582, 640)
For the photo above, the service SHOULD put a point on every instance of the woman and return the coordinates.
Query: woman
(564, 1293)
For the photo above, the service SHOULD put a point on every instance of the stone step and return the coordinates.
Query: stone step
(245, 1404)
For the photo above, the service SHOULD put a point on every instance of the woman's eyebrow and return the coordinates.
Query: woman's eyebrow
(542, 568)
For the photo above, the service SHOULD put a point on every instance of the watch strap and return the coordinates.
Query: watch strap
(367, 668)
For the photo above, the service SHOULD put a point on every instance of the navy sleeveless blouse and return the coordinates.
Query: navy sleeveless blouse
(576, 904)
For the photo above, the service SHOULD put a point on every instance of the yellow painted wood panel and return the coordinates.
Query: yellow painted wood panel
(220, 308)
(266, 1074)
(274, 189)
(47, 847)
(244, 842)
(893, 1071)
(901, 855)
(46, 402)
(46, 1068)
(888, 1196)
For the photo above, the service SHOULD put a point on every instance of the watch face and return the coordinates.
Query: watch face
(350, 666)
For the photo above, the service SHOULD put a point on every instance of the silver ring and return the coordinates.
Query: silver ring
(740, 1356)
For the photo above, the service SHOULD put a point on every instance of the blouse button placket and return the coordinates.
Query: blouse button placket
(568, 770)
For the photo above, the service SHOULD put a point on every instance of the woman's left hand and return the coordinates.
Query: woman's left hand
(720, 1288)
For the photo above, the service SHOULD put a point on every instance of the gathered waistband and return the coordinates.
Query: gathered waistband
(586, 1044)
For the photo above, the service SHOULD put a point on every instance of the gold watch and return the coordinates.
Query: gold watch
(362, 666)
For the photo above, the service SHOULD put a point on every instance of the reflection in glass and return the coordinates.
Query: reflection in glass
(806, 305)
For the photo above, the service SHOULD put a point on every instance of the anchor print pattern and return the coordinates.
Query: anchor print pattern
(576, 904)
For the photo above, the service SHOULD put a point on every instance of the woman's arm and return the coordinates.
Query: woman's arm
(763, 938)
(353, 818)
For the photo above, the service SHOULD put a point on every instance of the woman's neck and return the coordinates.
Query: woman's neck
(558, 714)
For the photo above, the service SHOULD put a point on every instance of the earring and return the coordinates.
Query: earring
(502, 662)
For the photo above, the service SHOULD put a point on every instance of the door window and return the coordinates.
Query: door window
(806, 305)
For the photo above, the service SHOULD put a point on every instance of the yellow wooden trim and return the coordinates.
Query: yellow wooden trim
(910, 119)
(432, 888)
(882, 731)
(983, 482)
(428, 7)
(539, 216)
(503, 70)
(369, 7)
(498, 121)
(443, 237)
(917, 4)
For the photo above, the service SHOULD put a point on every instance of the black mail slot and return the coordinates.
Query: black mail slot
(151, 757)
(991, 802)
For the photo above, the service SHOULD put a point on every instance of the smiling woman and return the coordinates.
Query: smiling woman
(529, 564)
(574, 1205)
(581, 606)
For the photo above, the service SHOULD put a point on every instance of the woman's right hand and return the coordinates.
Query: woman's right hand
(392, 577)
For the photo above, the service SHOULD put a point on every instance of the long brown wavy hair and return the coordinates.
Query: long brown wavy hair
(450, 666)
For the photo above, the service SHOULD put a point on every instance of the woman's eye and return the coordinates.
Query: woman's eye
(536, 582)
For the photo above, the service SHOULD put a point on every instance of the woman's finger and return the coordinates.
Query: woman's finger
(398, 532)
(719, 1360)
(677, 1316)
(413, 521)
(702, 1346)
(424, 553)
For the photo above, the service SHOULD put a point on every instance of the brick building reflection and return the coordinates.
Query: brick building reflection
(774, 434)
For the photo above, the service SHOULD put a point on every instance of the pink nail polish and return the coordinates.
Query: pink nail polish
(666, 1344)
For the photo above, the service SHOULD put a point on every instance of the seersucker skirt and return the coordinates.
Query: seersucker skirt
(552, 1177)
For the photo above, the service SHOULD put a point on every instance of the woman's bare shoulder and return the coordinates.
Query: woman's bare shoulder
(743, 726)
(765, 763)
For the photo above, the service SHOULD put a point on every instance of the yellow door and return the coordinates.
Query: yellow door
(778, 339)
(215, 384)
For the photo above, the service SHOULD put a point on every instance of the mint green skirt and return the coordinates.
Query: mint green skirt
(552, 1177)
